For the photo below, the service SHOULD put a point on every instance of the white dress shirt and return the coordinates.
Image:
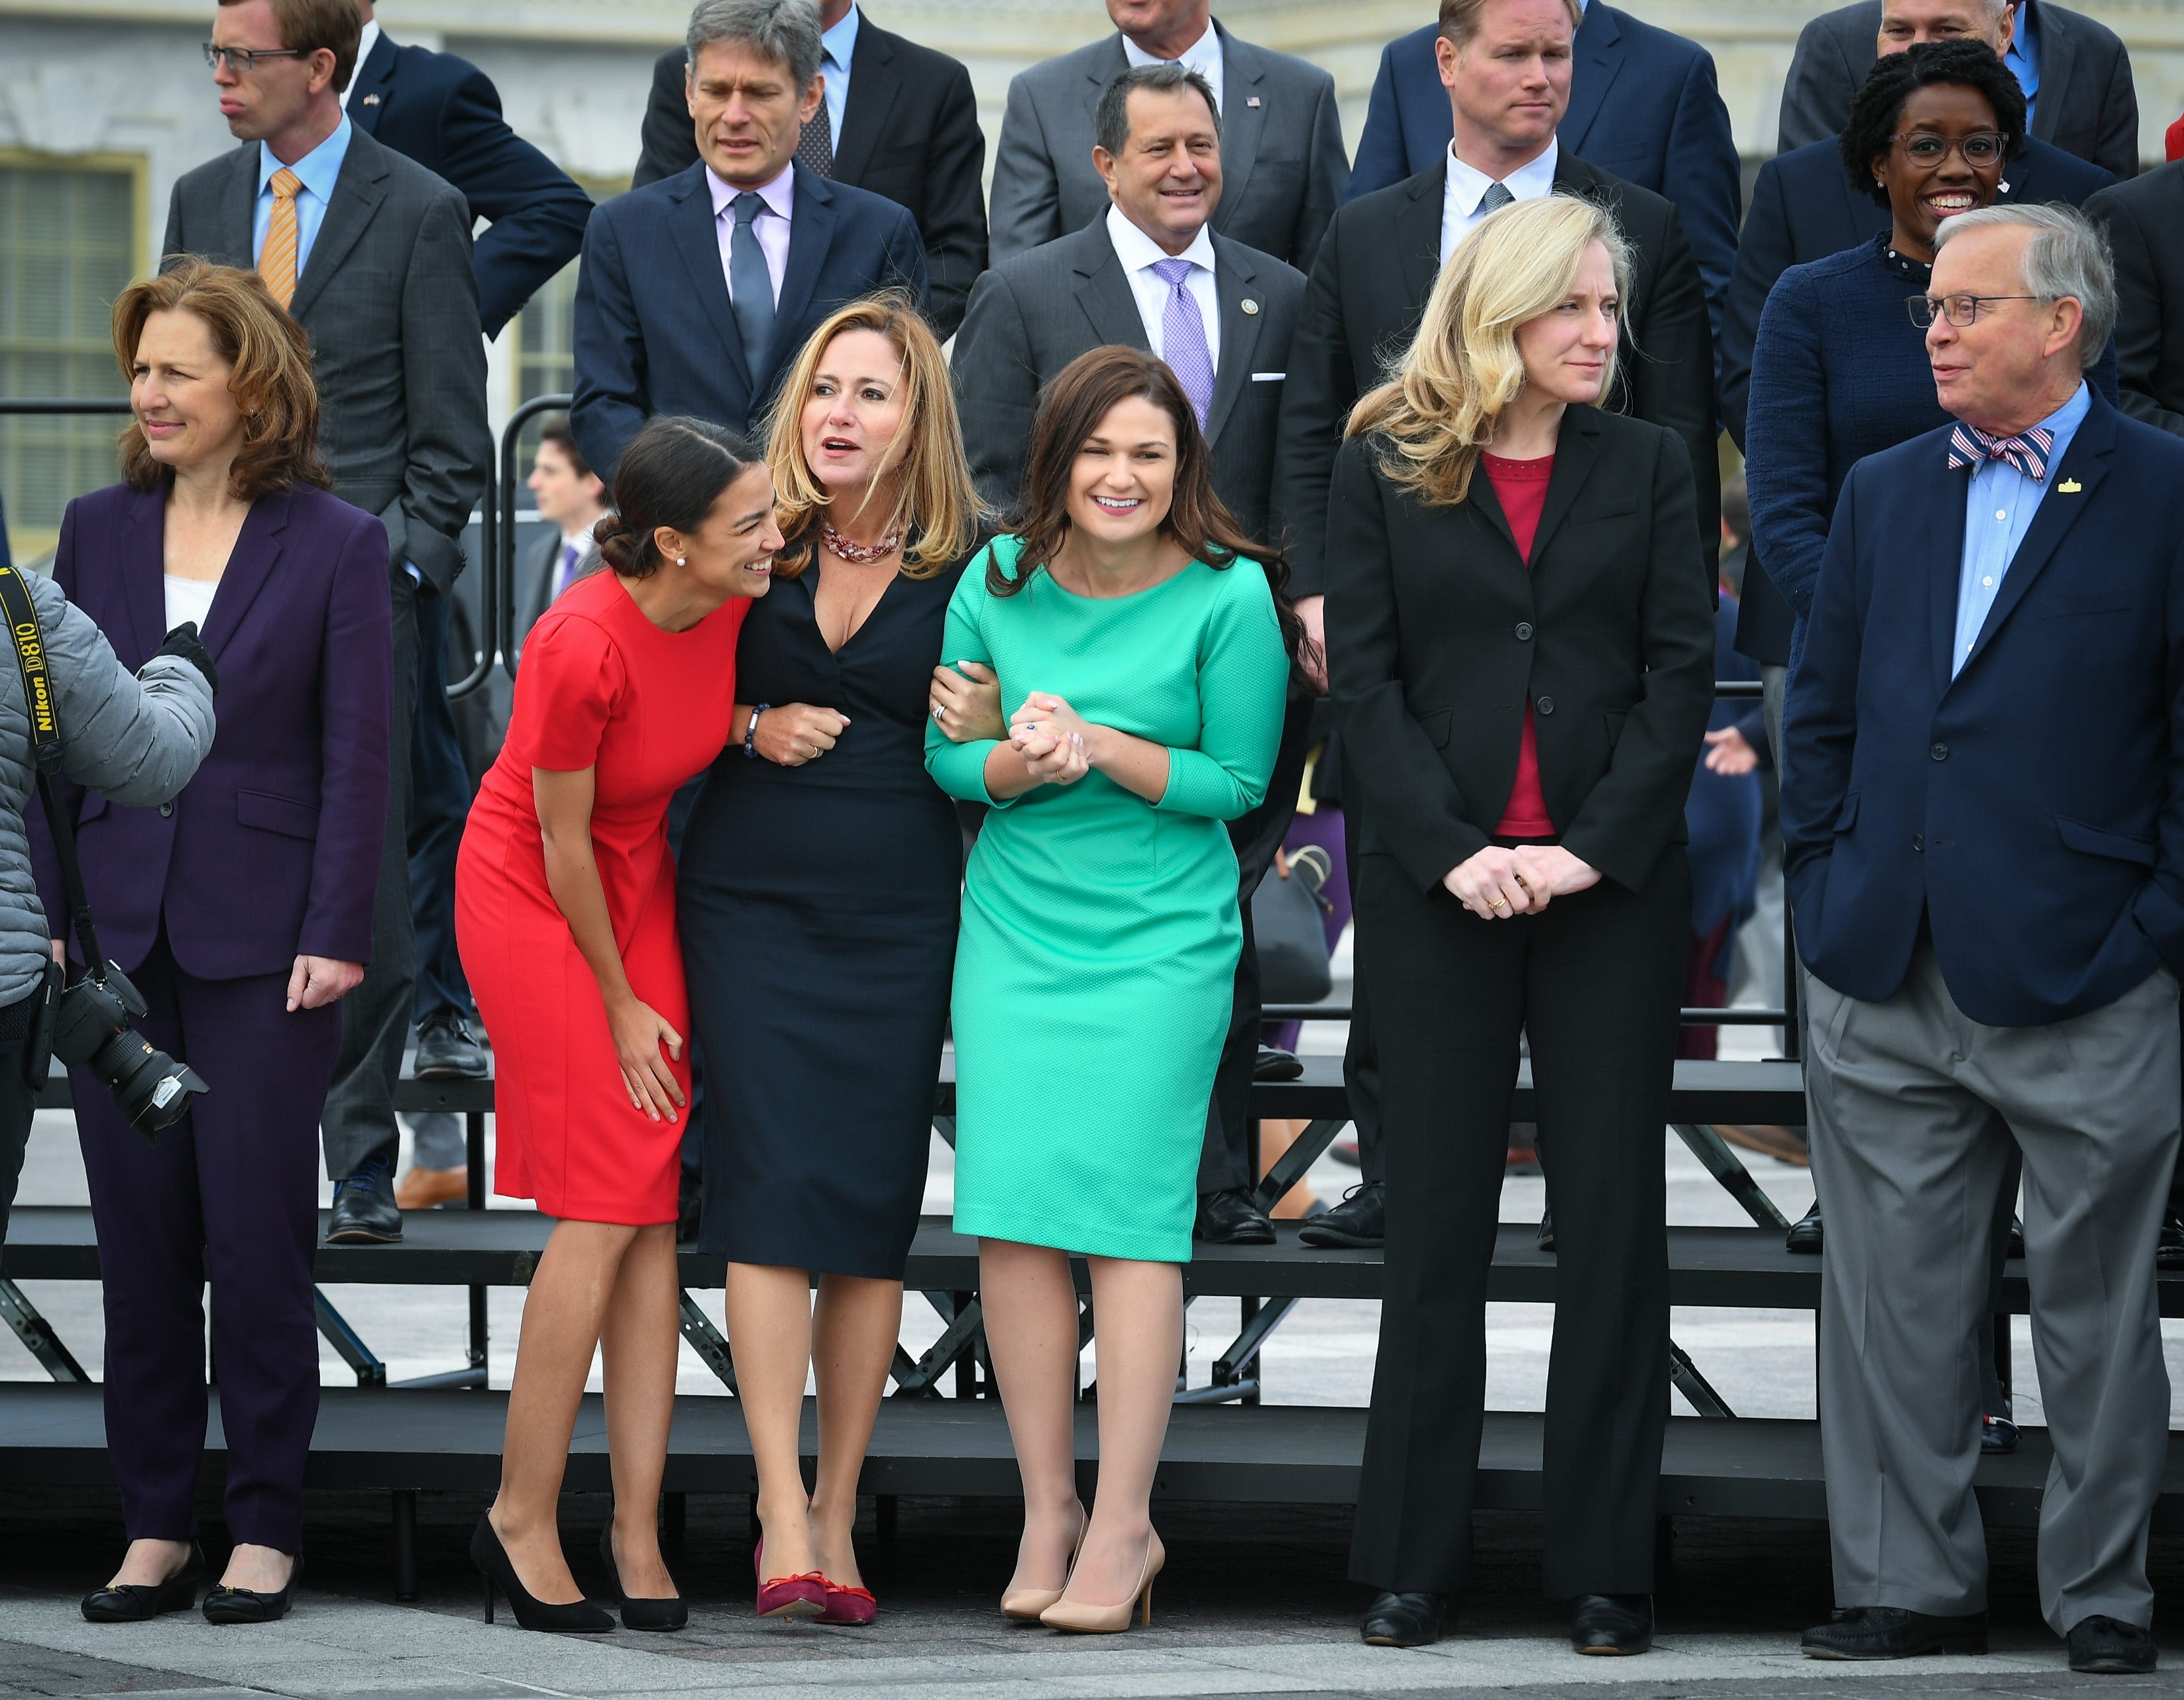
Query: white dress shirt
(1202, 56)
(365, 44)
(1459, 206)
(1140, 253)
(772, 226)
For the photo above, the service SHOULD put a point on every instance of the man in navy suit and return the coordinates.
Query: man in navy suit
(444, 113)
(698, 292)
(1643, 107)
(1983, 835)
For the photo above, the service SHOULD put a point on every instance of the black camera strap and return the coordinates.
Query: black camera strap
(30, 641)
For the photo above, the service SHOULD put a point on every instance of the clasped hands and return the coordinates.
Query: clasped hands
(1496, 883)
(1054, 742)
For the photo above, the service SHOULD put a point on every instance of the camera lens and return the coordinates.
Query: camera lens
(150, 1088)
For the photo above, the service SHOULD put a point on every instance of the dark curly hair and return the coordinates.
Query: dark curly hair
(1962, 63)
(671, 475)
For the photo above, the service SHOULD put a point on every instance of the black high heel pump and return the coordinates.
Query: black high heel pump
(580, 1617)
(136, 1602)
(671, 1614)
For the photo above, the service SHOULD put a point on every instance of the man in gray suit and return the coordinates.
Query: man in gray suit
(371, 255)
(1151, 272)
(2075, 73)
(1281, 136)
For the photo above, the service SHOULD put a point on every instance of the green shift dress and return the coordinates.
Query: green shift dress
(1095, 970)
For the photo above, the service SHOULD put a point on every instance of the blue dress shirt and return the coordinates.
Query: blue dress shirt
(317, 170)
(2022, 59)
(1998, 510)
(840, 43)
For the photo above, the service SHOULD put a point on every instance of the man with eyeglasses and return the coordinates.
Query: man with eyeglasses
(371, 255)
(1983, 837)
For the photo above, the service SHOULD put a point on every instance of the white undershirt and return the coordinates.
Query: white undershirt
(190, 599)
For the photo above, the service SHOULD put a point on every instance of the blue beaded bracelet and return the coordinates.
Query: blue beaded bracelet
(750, 731)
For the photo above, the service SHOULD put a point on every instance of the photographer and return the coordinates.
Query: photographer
(241, 911)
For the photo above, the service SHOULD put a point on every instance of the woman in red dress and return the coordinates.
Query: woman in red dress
(565, 911)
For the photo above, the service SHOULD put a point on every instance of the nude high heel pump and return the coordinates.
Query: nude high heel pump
(1080, 1619)
(1024, 1605)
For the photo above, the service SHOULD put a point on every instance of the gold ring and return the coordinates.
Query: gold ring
(1498, 903)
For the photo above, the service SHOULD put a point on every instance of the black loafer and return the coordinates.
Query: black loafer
(365, 1212)
(2107, 1646)
(1890, 1632)
(226, 1605)
(1546, 1239)
(1997, 1434)
(139, 1602)
(2169, 1254)
(1230, 1218)
(1610, 1625)
(1406, 1619)
(447, 1050)
(1276, 1064)
(1804, 1233)
(1359, 1223)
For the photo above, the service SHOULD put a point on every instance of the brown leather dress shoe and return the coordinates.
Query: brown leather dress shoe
(423, 1188)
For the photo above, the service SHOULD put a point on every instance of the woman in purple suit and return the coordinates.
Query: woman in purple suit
(241, 911)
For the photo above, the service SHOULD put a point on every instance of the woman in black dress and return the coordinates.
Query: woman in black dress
(819, 885)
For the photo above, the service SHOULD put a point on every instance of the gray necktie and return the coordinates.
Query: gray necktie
(751, 285)
(1497, 196)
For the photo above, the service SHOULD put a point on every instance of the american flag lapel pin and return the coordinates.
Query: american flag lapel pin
(371, 100)
(1253, 101)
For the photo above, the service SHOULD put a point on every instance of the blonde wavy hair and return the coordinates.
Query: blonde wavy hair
(937, 511)
(1447, 392)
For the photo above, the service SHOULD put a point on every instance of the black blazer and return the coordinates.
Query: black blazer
(2087, 105)
(1368, 290)
(910, 132)
(2145, 221)
(1437, 635)
(444, 113)
(1037, 311)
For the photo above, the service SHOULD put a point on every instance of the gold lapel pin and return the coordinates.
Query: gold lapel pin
(2068, 487)
(1248, 304)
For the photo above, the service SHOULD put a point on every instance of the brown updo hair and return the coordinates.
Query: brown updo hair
(269, 357)
(673, 472)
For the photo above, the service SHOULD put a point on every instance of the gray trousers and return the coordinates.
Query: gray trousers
(1914, 1108)
(358, 1123)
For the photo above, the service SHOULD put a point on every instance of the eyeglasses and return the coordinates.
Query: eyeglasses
(1959, 311)
(1981, 147)
(240, 60)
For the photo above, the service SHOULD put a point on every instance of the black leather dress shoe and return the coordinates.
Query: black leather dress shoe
(2169, 1253)
(1359, 1223)
(224, 1604)
(139, 1602)
(1997, 1434)
(363, 1213)
(1230, 1218)
(2107, 1646)
(1546, 1238)
(447, 1050)
(1613, 1624)
(1275, 1064)
(1804, 1233)
(1406, 1619)
(1890, 1632)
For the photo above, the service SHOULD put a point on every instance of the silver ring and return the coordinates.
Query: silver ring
(939, 712)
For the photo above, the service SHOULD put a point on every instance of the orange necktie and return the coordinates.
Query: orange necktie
(277, 264)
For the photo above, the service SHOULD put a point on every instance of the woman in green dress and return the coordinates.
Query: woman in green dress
(1144, 655)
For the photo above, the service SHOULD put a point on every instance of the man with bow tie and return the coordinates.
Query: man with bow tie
(1983, 831)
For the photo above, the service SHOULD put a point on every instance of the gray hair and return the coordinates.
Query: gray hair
(1110, 119)
(786, 31)
(2067, 259)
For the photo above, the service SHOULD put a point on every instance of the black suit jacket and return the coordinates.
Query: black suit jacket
(1804, 208)
(2087, 105)
(1368, 290)
(1032, 315)
(654, 330)
(910, 131)
(2145, 221)
(444, 113)
(1439, 634)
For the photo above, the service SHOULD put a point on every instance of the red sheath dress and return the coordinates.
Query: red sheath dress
(603, 688)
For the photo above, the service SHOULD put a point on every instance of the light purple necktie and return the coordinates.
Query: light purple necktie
(563, 579)
(1182, 334)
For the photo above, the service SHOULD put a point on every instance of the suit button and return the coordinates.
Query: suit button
(1546, 705)
(1523, 629)
(1918, 841)
(1940, 752)
(166, 811)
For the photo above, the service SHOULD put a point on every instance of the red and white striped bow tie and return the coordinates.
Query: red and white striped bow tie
(1969, 445)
